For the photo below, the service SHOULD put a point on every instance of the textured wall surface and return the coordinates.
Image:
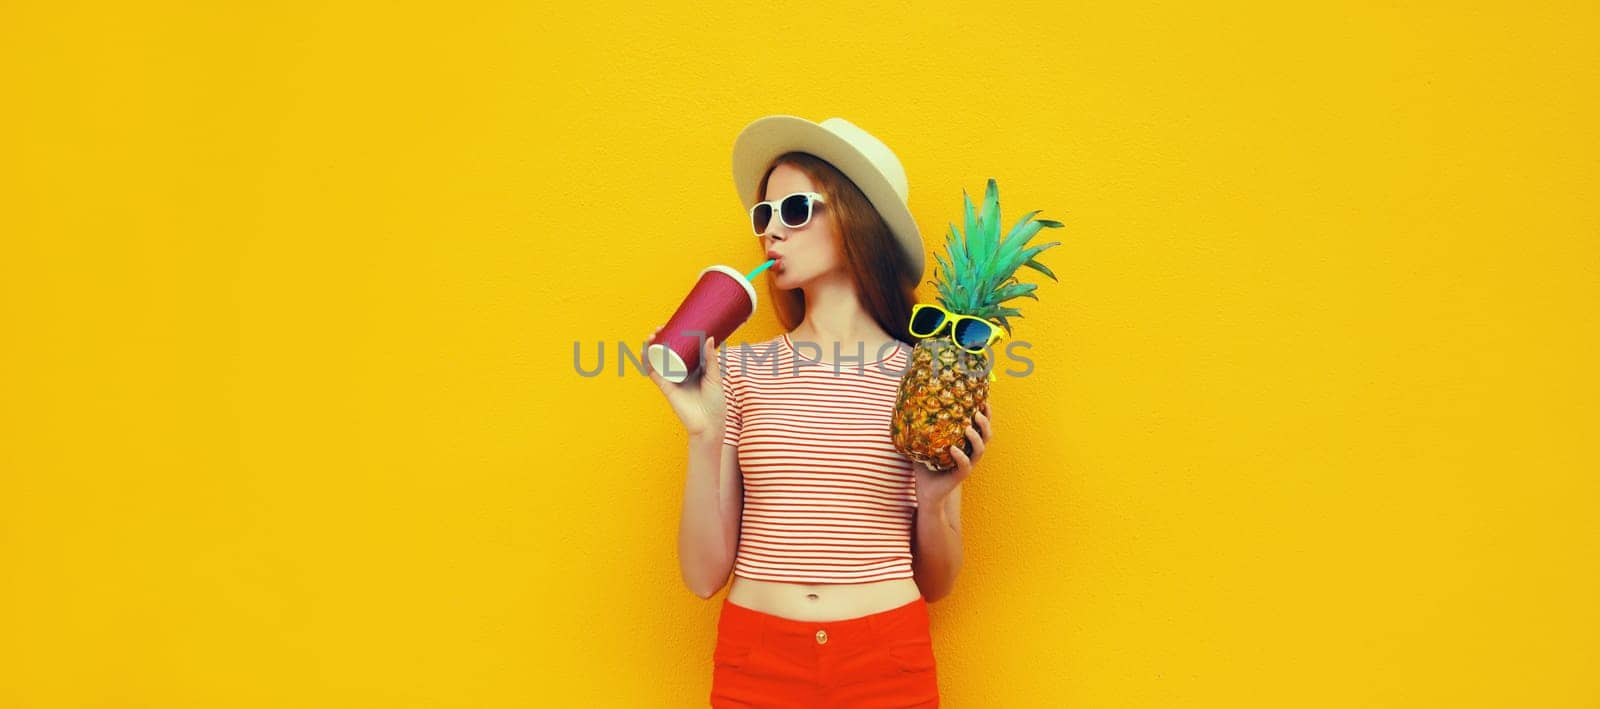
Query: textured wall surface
(289, 297)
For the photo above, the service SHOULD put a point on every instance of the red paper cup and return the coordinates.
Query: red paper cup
(720, 302)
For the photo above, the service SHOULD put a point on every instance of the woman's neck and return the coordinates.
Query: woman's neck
(834, 315)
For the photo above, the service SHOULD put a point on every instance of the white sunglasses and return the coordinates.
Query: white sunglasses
(794, 211)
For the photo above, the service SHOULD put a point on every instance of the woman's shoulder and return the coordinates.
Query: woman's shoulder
(739, 355)
(757, 346)
(756, 349)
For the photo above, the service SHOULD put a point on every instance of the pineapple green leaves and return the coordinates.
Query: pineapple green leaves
(976, 274)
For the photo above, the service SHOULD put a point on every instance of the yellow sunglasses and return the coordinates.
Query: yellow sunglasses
(969, 332)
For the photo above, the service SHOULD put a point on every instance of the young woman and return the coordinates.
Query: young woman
(836, 542)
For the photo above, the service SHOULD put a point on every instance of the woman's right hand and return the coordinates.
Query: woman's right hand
(699, 402)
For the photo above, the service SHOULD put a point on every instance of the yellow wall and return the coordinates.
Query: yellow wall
(289, 296)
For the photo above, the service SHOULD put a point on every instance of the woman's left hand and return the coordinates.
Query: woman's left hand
(933, 487)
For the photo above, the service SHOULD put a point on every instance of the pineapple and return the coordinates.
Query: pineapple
(944, 385)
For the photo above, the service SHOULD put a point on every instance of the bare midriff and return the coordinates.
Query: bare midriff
(822, 602)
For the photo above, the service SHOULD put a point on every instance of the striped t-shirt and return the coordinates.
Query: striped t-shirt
(827, 499)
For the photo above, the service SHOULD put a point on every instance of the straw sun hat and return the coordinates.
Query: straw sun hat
(870, 164)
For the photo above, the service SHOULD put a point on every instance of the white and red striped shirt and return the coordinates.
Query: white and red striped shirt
(827, 498)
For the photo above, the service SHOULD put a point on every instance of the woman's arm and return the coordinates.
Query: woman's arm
(713, 493)
(936, 535)
(713, 502)
(936, 545)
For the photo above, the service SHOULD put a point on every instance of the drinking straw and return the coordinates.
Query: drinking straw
(752, 275)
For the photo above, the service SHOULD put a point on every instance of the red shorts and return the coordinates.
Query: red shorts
(880, 660)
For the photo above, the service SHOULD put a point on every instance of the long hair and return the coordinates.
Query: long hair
(880, 268)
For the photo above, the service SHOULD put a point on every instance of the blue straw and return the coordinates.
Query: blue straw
(752, 275)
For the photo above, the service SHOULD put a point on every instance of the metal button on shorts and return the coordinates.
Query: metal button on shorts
(822, 637)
